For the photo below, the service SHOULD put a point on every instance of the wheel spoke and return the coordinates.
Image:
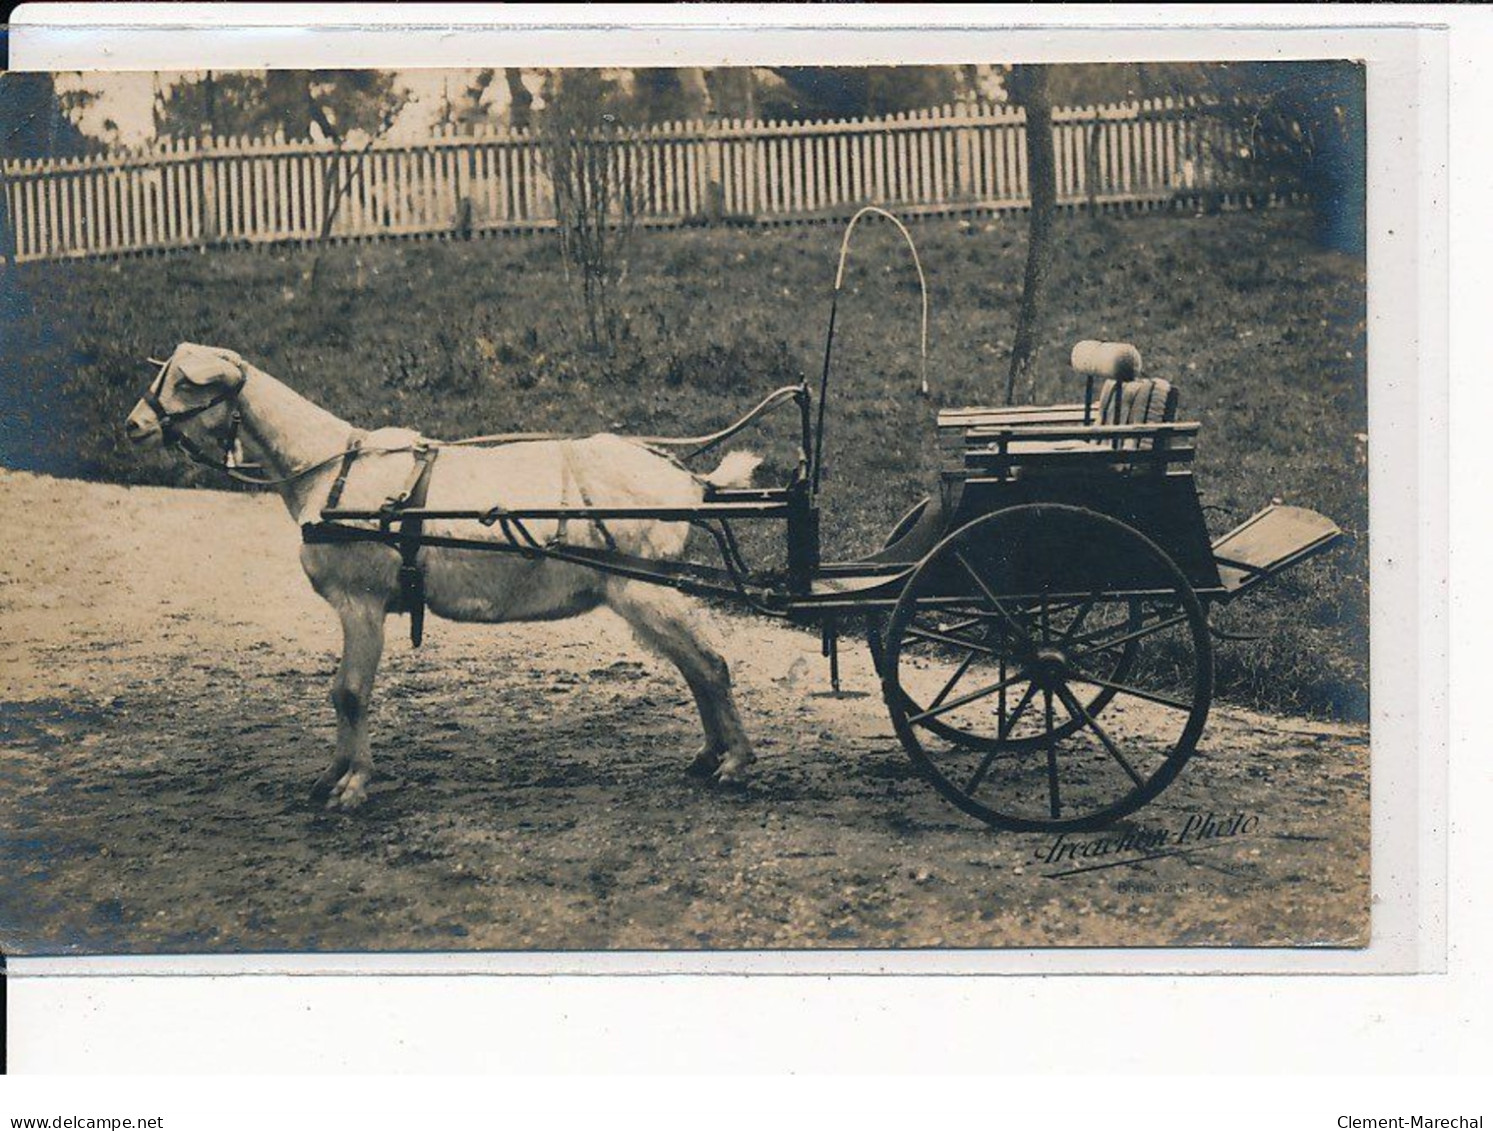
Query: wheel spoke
(1077, 709)
(1006, 727)
(1016, 630)
(1053, 801)
(943, 708)
(952, 641)
(953, 679)
(1079, 617)
(1001, 705)
(1138, 692)
(1126, 638)
(970, 622)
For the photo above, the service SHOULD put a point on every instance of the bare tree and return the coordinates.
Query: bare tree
(599, 184)
(1027, 85)
(335, 187)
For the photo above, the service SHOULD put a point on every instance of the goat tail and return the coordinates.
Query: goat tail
(734, 471)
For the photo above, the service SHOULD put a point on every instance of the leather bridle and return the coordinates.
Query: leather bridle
(172, 435)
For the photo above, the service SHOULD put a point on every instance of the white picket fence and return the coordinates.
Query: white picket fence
(188, 194)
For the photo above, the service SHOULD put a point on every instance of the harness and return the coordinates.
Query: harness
(408, 538)
(349, 457)
(406, 533)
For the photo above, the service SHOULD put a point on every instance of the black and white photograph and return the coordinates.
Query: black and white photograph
(709, 509)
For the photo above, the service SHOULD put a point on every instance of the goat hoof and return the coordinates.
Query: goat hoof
(349, 792)
(706, 763)
(333, 776)
(347, 800)
(733, 772)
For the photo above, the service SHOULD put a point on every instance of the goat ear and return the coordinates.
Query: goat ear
(204, 365)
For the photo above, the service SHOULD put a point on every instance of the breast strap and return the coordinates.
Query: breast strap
(349, 457)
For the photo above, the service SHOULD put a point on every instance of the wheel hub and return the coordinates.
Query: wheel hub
(1049, 668)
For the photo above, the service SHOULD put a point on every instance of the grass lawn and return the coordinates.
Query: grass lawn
(1263, 333)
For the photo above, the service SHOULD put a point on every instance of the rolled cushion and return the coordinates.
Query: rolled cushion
(1108, 361)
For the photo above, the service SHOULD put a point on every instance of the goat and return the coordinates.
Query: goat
(206, 399)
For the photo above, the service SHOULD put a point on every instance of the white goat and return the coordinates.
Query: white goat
(196, 397)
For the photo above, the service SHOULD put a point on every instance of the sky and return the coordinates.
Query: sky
(126, 99)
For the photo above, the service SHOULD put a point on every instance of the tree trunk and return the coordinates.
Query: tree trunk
(336, 190)
(210, 105)
(694, 91)
(733, 90)
(317, 114)
(700, 106)
(1091, 166)
(521, 102)
(1028, 87)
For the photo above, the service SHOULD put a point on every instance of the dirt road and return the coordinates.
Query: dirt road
(163, 711)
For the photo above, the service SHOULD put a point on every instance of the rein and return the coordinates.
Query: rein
(403, 531)
(172, 436)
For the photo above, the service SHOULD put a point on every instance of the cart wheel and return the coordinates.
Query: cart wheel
(1009, 640)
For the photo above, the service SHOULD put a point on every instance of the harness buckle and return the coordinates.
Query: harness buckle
(423, 452)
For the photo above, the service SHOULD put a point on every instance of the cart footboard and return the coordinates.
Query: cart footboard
(1270, 543)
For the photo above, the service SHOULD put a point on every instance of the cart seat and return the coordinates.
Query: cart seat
(1130, 426)
(1125, 397)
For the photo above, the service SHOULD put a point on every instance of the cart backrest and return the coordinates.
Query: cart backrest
(1146, 400)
